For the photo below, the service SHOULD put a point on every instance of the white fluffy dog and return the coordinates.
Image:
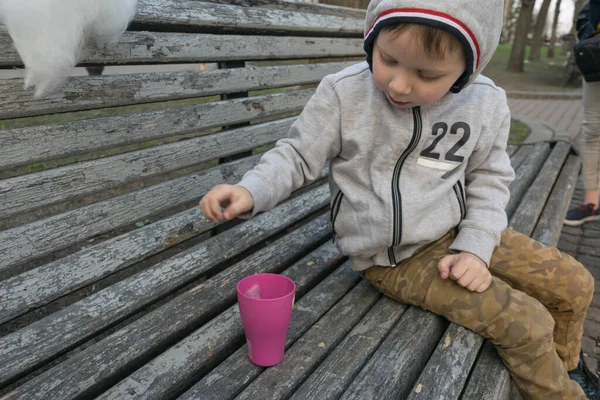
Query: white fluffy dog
(50, 35)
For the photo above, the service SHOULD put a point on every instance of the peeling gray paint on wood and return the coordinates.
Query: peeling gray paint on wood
(397, 363)
(525, 175)
(550, 225)
(448, 368)
(205, 16)
(42, 237)
(525, 217)
(210, 343)
(64, 329)
(169, 47)
(489, 379)
(176, 368)
(30, 192)
(520, 155)
(40, 143)
(317, 8)
(338, 370)
(92, 92)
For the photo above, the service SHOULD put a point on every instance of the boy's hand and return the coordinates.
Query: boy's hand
(235, 199)
(468, 270)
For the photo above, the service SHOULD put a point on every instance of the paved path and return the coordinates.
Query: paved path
(583, 243)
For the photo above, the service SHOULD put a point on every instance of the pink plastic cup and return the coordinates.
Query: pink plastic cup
(266, 302)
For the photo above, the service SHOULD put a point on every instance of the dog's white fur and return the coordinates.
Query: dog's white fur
(50, 35)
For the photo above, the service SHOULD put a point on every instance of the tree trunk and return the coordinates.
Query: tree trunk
(554, 28)
(508, 10)
(538, 33)
(517, 53)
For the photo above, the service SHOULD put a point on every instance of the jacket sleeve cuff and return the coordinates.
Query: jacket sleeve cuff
(475, 241)
(260, 191)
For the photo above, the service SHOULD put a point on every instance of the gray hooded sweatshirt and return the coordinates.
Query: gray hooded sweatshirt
(402, 178)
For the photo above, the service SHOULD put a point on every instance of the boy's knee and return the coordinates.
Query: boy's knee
(532, 324)
(579, 284)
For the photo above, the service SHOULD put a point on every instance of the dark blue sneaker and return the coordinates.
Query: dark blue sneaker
(586, 379)
(583, 213)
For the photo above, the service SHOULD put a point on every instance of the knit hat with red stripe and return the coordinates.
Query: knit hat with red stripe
(477, 24)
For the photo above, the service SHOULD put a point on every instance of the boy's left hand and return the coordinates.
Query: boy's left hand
(468, 270)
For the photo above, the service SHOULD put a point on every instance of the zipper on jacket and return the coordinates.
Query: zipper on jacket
(396, 195)
(460, 196)
(335, 209)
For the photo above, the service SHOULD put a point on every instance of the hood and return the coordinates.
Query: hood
(476, 24)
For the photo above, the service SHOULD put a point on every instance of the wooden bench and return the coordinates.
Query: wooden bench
(112, 284)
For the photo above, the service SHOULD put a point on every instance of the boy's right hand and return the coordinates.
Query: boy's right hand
(234, 199)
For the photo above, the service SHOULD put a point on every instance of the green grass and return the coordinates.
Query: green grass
(518, 132)
(543, 75)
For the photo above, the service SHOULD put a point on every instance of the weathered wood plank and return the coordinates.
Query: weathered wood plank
(170, 373)
(85, 93)
(307, 353)
(41, 143)
(42, 285)
(197, 16)
(29, 192)
(44, 339)
(43, 237)
(525, 175)
(168, 47)
(525, 217)
(520, 155)
(209, 343)
(300, 6)
(550, 223)
(448, 368)
(397, 363)
(338, 370)
(489, 379)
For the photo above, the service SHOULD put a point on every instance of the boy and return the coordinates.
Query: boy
(419, 180)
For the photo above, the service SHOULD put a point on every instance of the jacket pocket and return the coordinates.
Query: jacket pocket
(335, 209)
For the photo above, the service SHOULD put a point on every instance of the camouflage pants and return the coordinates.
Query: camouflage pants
(533, 312)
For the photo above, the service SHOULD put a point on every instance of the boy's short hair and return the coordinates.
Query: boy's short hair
(436, 42)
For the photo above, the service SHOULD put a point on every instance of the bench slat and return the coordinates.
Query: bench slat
(169, 373)
(448, 368)
(525, 175)
(550, 224)
(41, 143)
(34, 191)
(43, 237)
(167, 47)
(397, 363)
(526, 215)
(489, 379)
(44, 284)
(198, 16)
(86, 93)
(300, 6)
(212, 342)
(46, 338)
(337, 371)
(517, 158)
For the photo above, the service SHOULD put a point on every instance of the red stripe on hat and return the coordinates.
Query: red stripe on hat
(437, 14)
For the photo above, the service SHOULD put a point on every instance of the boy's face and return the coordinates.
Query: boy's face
(407, 75)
